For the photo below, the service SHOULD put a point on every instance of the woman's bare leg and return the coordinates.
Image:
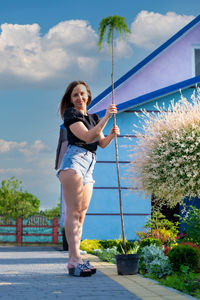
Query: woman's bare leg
(87, 195)
(72, 185)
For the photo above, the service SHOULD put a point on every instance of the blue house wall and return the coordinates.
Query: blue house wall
(103, 218)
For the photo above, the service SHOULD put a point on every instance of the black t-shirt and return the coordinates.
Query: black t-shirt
(71, 116)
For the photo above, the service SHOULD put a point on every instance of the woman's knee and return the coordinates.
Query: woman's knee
(84, 208)
(73, 214)
(81, 218)
(82, 215)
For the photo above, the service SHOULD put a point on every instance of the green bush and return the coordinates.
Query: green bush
(191, 223)
(153, 261)
(182, 282)
(90, 245)
(150, 241)
(118, 244)
(183, 255)
(109, 243)
(107, 254)
(129, 246)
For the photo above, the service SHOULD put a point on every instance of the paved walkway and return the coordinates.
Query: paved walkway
(37, 273)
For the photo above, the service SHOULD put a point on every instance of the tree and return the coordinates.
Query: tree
(52, 213)
(15, 202)
(114, 23)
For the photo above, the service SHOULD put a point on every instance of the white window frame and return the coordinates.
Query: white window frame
(193, 58)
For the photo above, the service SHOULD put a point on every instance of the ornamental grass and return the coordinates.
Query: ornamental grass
(166, 158)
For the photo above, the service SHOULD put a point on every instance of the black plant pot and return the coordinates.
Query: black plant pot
(127, 264)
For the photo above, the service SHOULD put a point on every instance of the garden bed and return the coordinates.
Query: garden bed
(165, 256)
(184, 281)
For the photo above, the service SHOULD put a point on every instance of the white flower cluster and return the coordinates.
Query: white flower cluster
(166, 159)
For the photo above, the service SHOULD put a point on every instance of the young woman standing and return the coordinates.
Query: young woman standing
(85, 133)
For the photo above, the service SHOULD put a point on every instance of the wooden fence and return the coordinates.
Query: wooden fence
(36, 229)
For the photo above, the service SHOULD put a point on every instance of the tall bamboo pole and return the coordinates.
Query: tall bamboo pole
(116, 149)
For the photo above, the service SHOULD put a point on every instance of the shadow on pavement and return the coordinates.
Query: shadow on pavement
(28, 248)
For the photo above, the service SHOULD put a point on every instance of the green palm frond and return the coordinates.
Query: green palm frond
(111, 23)
(102, 31)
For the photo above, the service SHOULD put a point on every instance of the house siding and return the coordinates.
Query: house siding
(168, 68)
(103, 217)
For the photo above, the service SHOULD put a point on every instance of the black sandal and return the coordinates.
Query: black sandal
(90, 267)
(80, 271)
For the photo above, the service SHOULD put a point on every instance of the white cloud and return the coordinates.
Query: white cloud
(30, 151)
(29, 57)
(151, 29)
(72, 33)
(33, 150)
(86, 62)
(10, 172)
(122, 48)
(70, 48)
(67, 49)
(6, 146)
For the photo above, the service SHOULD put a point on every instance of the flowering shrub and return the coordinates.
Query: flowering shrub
(150, 241)
(143, 234)
(159, 227)
(164, 235)
(166, 159)
(166, 249)
(153, 260)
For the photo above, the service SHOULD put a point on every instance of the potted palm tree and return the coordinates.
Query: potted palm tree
(126, 263)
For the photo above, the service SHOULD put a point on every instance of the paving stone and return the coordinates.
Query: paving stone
(37, 273)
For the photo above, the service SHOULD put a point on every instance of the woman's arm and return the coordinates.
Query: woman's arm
(105, 141)
(89, 136)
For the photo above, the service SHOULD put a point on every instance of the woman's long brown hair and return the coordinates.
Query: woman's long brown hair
(66, 99)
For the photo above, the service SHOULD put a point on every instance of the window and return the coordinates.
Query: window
(197, 61)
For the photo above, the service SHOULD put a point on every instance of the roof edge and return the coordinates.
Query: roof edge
(155, 94)
(145, 60)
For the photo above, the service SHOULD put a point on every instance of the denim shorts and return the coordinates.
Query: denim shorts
(81, 161)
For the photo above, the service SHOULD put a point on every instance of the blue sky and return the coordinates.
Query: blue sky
(46, 44)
